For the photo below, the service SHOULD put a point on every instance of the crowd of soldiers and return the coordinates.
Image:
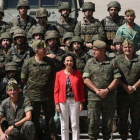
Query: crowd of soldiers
(106, 53)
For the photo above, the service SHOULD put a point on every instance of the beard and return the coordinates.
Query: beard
(114, 15)
(65, 15)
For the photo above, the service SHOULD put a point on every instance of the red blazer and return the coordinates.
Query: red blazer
(76, 84)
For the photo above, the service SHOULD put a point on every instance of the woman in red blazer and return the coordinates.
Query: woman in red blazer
(69, 96)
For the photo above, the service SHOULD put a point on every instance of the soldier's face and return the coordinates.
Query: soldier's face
(118, 46)
(76, 46)
(41, 52)
(67, 42)
(13, 92)
(42, 20)
(130, 18)
(38, 36)
(113, 12)
(68, 62)
(6, 43)
(88, 13)
(128, 49)
(23, 10)
(11, 74)
(52, 42)
(19, 40)
(97, 53)
(65, 13)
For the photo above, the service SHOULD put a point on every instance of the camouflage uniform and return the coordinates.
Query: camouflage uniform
(14, 55)
(111, 25)
(40, 88)
(87, 30)
(26, 131)
(4, 26)
(30, 21)
(130, 71)
(63, 26)
(101, 75)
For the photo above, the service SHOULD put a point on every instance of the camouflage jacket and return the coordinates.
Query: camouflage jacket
(4, 27)
(101, 75)
(22, 106)
(110, 27)
(30, 21)
(88, 30)
(39, 76)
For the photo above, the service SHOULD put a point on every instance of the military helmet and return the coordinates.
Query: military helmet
(19, 32)
(76, 39)
(64, 5)
(41, 12)
(51, 34)
(5, 35)
(2, 11)
(118, 38)
(37, 44)
(23, 3)
(114, 4)
(11, 66)
(67, 35)
(38, 30)
(12, 30)
(88, 5)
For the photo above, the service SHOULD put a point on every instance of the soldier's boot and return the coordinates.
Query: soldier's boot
(115, 128)
(92, 138)
(124, 137)
(134, 138)
(52, 136)
(106, 137)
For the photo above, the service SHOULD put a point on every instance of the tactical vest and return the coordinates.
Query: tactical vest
(111, 26)
(88, 30)
(65, 27)
(3, 27)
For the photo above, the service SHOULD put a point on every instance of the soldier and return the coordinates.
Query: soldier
(53, 51)
(4, 26)
(130, 29)
(101, 76)
(18, 113)
(66, 40)
(38, 73)
(89, 26)
(41, 15)
(20, 51)
(128, 96)
(23, 20)
(66, 23)
(111, 23)
(12, 29)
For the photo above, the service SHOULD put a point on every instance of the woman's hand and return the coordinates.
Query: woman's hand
(81, 107)
(57, 108)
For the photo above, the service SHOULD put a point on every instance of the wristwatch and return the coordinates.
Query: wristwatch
(14, 125)
(134, 87)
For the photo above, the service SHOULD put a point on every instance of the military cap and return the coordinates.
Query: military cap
(51, 34)
(99, 44)
(41, 12)
(12, 84)
(37, 44)
(38, 30)
(118, 38)
(11, 66)
(67, 35)
(129, 12)
(76, 39)
(23, 3)
(64, 5)
(5, 35)
(2, 11)
(127, 42)
(88, 5)
(12, 30)
(19, 32)
(115, 4)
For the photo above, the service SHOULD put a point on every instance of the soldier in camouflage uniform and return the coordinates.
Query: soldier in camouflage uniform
(89, 26)
(66, 40)
(66, 23)
(38, 73)
(4, 26)
(20, 51)
(53, 51)
(18, 113)
(23, 20)
(101, 76)
(128, 97)
(41, 15)
(111, 23)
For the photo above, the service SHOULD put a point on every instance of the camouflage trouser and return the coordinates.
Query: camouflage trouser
(123, 110)
(49, 112)
(95, 109)
(26, 131)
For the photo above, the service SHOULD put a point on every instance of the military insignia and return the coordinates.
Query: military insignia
(117, 66)
(28, 101)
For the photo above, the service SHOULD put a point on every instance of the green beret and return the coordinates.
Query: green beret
(127, 42)
(99, 44)
(12, 84)
(129, 12)
(37, 44)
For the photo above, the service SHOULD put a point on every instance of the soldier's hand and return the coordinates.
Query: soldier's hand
(4, 136)
(103, 93)
(89, 45)
(51, 56)
(10, 128)
(130, 89)
(81, 107)
(57, 108)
